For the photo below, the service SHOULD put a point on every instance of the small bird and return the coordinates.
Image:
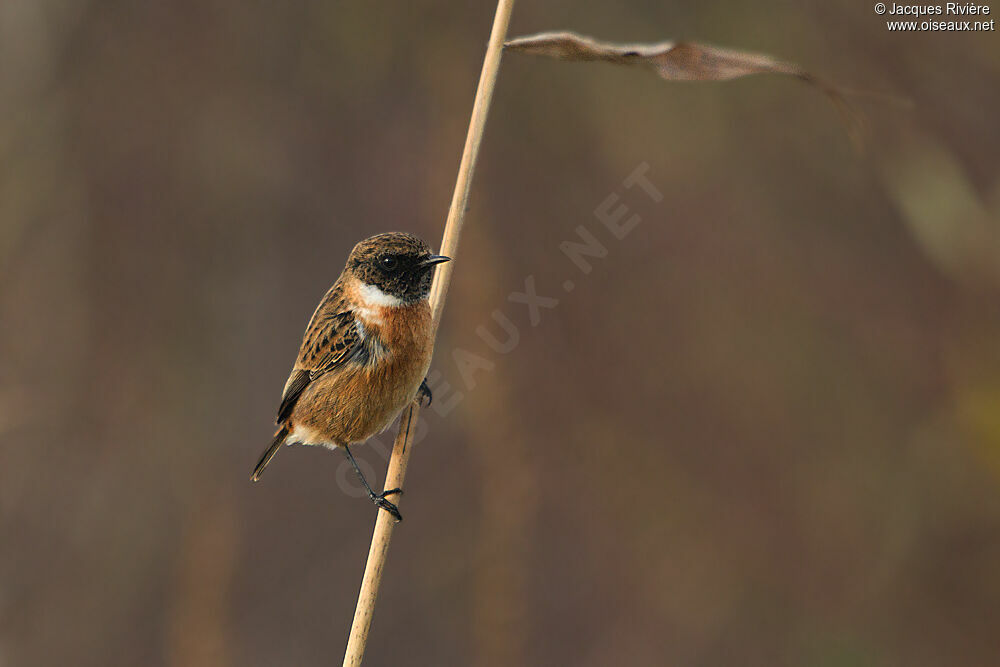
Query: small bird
(365, 353)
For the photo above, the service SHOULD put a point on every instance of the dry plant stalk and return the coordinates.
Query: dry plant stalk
(449, 244)
(684, 61)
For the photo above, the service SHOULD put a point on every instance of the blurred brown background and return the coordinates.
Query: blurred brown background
(764, 430)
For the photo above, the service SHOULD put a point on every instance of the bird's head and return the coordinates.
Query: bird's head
(400, 265)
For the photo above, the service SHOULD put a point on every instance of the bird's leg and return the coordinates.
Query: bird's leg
(424, 392)
(377, 498)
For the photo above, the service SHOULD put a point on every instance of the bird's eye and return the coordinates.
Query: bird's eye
(388, 263)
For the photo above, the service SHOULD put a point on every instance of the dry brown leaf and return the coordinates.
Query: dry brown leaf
(681, 61)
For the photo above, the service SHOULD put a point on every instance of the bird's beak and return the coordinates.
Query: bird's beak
(432, 260)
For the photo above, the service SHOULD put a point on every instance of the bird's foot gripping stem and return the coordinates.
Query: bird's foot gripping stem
(424, 392)
(377, 498)
(380, 501)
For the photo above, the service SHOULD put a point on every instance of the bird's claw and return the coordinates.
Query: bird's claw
(389, 507)
(424, 392)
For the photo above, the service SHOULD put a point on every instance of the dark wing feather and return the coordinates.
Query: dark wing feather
(332, 339)
(293, 389)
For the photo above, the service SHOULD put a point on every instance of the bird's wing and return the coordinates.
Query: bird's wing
(333, 338)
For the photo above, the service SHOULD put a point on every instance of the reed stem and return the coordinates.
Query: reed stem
(401, 448)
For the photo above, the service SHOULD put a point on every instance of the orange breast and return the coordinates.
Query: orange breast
(354, 403)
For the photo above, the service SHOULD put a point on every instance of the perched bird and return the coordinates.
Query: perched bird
(364, 354)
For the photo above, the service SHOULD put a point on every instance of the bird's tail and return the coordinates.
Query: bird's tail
(279, 440)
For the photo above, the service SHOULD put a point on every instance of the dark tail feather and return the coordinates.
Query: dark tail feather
(279, 440)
